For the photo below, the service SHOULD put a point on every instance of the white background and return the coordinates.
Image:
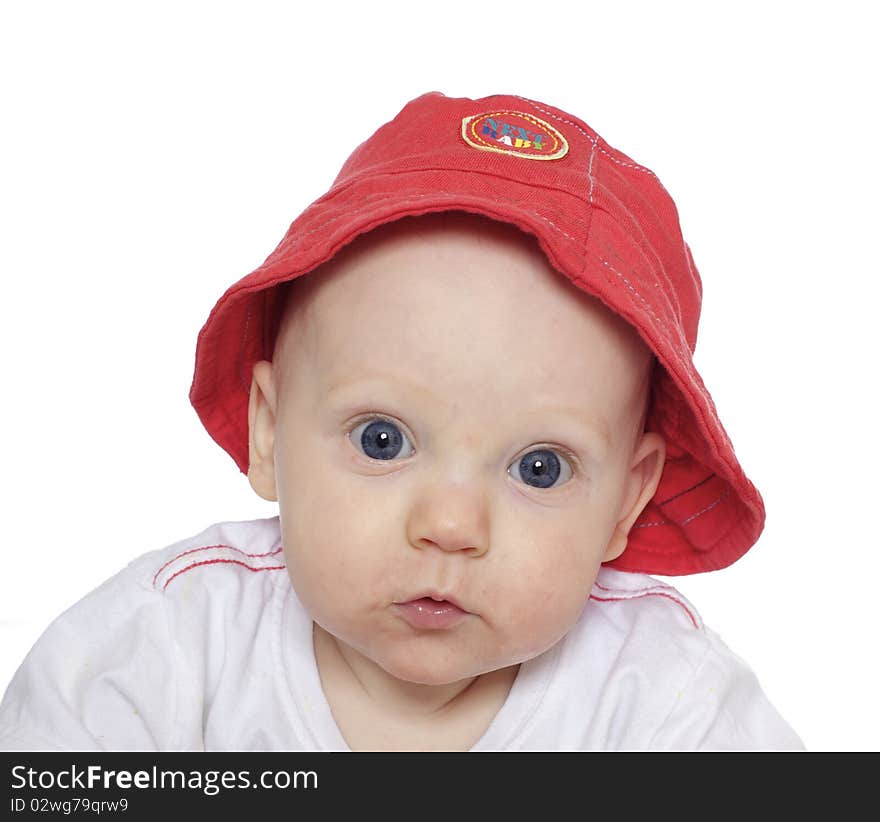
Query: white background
(153, 153)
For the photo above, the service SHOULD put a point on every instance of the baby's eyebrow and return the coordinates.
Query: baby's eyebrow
(366, 379)
(596, 426)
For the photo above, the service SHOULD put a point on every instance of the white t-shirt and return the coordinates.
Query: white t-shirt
(204, 645)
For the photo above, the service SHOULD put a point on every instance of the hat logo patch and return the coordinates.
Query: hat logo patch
(514, 132)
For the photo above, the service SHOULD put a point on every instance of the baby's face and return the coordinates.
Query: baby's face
(446, 413)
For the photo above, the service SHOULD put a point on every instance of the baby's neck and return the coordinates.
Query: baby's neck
(377, 712)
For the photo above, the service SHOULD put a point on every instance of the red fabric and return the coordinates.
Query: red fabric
(603, 221)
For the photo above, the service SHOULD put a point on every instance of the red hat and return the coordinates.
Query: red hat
(602, 220)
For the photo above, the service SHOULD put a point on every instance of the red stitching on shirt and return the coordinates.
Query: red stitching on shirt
(208, 548)
(631, 590)
(213, 561)
(649, 594)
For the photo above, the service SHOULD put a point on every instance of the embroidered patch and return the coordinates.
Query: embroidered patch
(514, 132)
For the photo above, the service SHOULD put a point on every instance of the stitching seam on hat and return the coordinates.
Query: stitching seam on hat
(709, 507)
(595, 143)
(686, 490)
(247, 321)
(592, 179)
(694, 380)
(676, 344)
(593, 140)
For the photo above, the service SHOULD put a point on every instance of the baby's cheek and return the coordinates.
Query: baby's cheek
(556, 567)
(315, 560)
(547, 595)
(323, 565)
(537, 628)
(322, 520)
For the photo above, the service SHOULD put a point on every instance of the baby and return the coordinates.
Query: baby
(480, 418)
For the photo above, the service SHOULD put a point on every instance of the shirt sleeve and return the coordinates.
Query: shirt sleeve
(723, 708)
(100, 678)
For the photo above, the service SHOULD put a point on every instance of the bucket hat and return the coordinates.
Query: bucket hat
(604, 221)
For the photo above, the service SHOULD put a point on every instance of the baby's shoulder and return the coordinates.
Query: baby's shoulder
(124, 667)
(223, 562)
(665, 679)
(631, 600)
(225, 559)
(183, 588)
(633, 623)
(639, 622)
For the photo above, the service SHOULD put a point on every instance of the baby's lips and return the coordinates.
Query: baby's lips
(436, 597)
(429, 613)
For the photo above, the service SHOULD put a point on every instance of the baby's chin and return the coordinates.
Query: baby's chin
(426, 672)
(442, 666)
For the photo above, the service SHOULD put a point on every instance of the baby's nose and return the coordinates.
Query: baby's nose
(452, 543)
(451, 519)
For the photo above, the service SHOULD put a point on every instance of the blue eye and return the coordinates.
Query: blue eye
(541, 468)
(379, 438)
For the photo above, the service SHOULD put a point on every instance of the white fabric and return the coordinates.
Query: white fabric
(204, 645)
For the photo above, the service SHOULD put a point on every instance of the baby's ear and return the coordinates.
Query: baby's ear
(641, 484)
(261, 431)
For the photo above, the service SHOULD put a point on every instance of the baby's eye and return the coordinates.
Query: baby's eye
(379, 438)
(541, 468)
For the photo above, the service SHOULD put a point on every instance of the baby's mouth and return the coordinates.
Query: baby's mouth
(429, 612)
